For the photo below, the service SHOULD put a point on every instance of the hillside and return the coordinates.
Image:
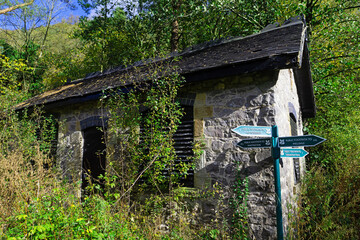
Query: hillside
(58, 39)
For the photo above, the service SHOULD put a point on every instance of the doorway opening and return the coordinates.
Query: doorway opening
(94, 157)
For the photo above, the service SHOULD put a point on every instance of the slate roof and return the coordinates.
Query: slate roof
(278, 48)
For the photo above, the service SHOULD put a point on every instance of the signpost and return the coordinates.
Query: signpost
(255, 143)
(253, 131)
(300, 141)
(276, 142)
(293, 153)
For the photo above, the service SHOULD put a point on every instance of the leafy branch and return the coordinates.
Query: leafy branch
(12, 8)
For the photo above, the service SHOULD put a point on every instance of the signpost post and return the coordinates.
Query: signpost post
(276, 142)
(275, 152)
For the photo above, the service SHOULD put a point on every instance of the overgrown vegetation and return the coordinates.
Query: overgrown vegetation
(32, 202)
(136, 201)
(330, 198)
(240, 218)
(148, 112)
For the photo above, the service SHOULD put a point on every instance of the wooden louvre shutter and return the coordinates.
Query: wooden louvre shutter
(54, 142)
(183, 144)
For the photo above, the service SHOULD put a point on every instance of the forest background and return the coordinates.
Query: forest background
(39, 52)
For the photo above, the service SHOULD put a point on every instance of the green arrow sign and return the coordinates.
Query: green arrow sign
(300, 141)
(253, 131)
(255, 143)
(293, 152)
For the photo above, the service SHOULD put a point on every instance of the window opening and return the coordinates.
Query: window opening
(294, 132)
(183, 146)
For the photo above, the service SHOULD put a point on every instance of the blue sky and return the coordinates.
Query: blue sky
(78, 12)
(92, 13)
(61, 12)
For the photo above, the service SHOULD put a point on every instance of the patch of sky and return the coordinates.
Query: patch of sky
(57, 11)
(39, 13)
(129, 6)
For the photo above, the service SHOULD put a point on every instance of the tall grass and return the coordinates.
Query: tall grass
(330, 199)
(35, 203)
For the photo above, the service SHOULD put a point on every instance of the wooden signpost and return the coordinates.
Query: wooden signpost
(276, 143)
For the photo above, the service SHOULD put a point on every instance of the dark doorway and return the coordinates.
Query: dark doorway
(94, 156)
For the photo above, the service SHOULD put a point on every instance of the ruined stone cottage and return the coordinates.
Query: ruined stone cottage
(259, 80)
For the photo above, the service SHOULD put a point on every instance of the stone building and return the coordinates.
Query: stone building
(259, 80)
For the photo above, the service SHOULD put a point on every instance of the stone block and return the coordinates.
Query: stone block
(209, 157)
(219, 86)
(267, 111)
(268, 99)
(203, 112)
(262, 155)
(77, 126)
(255, 230)
(254, 101)
(269, 121)
(213, 168)
(198, 128)
(256, 219)
(202, 179)
(220, 157)
(214, 132)
(262, 199)
(218, 122)
(222, 112)
(230, 169)
(200, 99)
(260, 184)
(268, 232)
(228, 145)
(236, 102)
(241, 156)
(217, 145)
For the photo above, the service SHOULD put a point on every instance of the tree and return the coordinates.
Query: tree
(14, 7)
(30, 28)
(23, 22)
(330, 199)
(179, 24)
(154, 28)
(105, 40)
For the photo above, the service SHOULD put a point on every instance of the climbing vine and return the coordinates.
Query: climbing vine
(240, 224)
(143, 119)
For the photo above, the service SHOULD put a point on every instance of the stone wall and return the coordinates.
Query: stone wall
(223, 104)
(260, 99)
(73, 119)
(285, 93)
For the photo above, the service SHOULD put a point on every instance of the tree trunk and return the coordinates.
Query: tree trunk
(175, 35)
